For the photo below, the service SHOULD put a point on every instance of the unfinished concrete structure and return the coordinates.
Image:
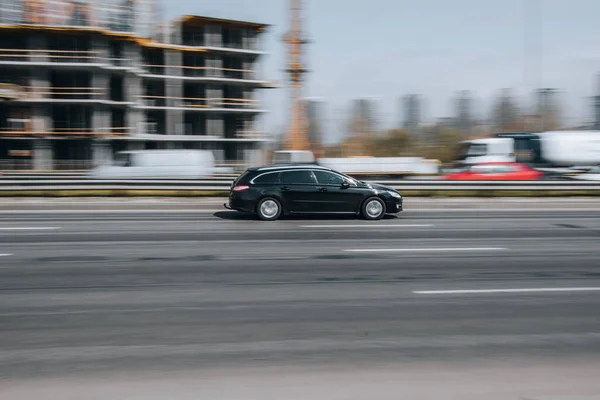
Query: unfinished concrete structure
(81, 80)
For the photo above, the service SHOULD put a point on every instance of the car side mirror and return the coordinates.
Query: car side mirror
(345, 185)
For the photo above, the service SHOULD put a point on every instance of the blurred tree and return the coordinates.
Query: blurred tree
(447, 144)
(444, 148)
(333, 151)
(399, 143)
(393, 143)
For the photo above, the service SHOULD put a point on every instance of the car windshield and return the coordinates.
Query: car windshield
(462, 150)
(477, 149)
(241, 178)
(351, 180)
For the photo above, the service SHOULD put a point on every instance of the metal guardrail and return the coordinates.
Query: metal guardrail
(223, 184)
(84, 175)
(549, 186)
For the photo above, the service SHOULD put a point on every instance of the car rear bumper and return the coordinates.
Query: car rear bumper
(237, 202)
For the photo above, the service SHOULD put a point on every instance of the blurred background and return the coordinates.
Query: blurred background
(412, 92)
(124, 124)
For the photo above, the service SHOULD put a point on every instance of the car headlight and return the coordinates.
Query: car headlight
(395, 194)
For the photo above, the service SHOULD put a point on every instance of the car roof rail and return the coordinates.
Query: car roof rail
(293, 165)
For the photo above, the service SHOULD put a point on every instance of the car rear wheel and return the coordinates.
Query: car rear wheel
(373, 209)
(269, 209)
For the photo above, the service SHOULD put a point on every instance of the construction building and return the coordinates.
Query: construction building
(547, 109)
(361, 129)
(411, 110)
(81, 80)
(505, 113)
(315, 117)
(463, 109)
(596, 105)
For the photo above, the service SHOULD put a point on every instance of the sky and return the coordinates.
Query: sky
(384, 49)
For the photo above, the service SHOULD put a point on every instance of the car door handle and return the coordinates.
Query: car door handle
(322, 189)
(285, 189)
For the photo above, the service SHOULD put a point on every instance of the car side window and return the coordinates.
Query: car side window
(271, 178)
(297, 177)
(328, 178)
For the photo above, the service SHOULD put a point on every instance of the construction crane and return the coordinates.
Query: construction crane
(297, 135)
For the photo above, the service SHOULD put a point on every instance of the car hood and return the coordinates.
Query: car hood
(377, 186)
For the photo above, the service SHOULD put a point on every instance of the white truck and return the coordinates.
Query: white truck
(382, 166)
(593, 174)
(555, 149)
(158, 164)
(363, 166)
(293, 156)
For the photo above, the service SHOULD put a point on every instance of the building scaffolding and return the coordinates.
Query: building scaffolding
(74, 91)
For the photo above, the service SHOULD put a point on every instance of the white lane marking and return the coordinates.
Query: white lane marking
(24, 228)
(120, 211)
(505, 210)
(212, 211)
(368, 226)
(524, 290)
(5, 255)
(440, 249)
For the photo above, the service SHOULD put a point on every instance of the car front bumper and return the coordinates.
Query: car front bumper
(394, 206)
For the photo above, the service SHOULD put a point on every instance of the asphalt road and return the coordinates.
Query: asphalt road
(89, 293)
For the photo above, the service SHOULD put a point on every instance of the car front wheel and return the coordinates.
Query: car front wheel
(269, 209)
(373, 209)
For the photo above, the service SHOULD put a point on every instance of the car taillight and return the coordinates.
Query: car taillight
(240, 188)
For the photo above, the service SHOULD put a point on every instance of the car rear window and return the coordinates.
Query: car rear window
(297, 177)
(242, 178)
(267, 179)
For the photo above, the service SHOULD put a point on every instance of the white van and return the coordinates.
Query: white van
(158, 164)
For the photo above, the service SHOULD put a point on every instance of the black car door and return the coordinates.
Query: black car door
(334, 196)
(299, 190)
